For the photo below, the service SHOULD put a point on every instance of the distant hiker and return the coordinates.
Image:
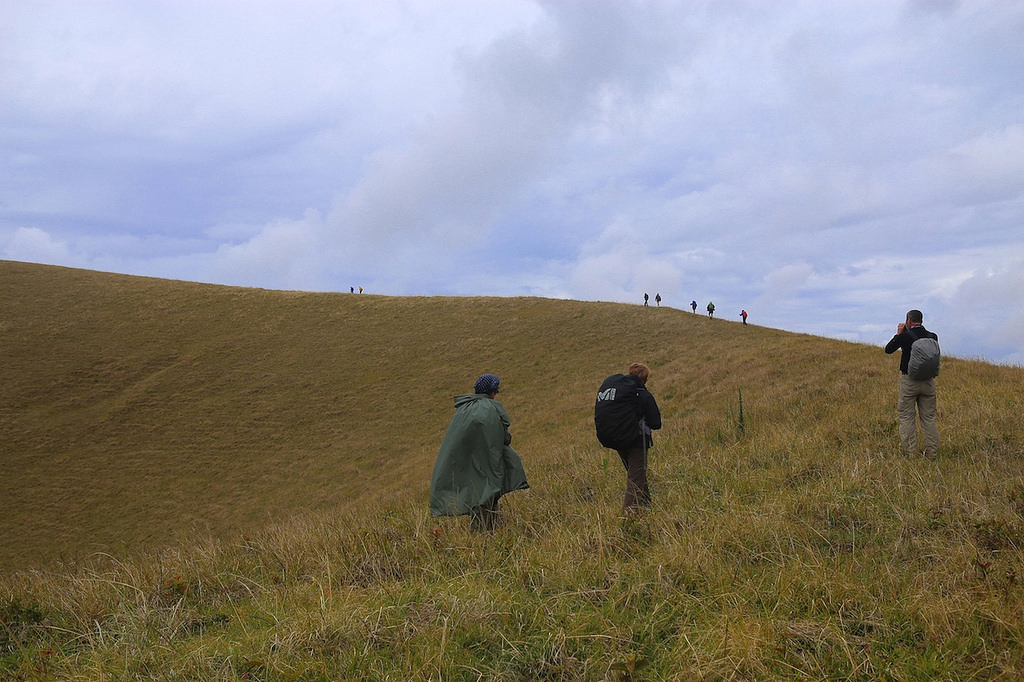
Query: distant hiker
(693, 304)
(657, 300)
(351, 290)
(625, 413)
(711, 309)
(645, 299)
(919, 365)
(475, 465)
(743, 314)
(360, 290)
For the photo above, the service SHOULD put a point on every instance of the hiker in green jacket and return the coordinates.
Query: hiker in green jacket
(475, 465)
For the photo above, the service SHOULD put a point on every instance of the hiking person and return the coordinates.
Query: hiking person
(625, 413)
(657, 300)
(645, 299)
(693, 304)
(475, 465)
(743, 314)
(919, 365)
(711, 309)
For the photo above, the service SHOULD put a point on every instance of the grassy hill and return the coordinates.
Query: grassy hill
(205, 482)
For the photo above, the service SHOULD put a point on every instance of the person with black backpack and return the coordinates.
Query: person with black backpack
(625, 413)
(919, 365)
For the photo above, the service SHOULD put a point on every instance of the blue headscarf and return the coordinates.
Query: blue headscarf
(487, 383)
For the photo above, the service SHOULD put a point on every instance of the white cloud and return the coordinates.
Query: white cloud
(35, 245)
(788, 279)
(285, 253)
(983, 303)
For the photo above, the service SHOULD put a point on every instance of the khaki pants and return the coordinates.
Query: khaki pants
(917, 400)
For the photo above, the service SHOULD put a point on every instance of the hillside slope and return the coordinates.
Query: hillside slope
(138, 411)
(789, 538)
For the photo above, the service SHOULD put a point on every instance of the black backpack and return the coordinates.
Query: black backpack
(617, 412)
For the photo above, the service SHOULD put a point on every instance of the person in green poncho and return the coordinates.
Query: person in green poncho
(475, 465)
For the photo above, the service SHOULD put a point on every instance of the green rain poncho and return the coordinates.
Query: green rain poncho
(475, 463)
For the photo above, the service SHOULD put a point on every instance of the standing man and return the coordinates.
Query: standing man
(693, 304)
(646, 298)
(475, 465)
(657, 300)
(711, 309)
(917, 397)
(625, 414)
(743, 314)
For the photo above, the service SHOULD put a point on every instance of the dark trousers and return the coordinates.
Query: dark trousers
(484, 517)
(637, 492)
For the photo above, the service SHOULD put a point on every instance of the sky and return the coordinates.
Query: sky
(826, 166)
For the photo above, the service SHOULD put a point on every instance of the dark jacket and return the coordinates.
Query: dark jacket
(649, 412)
(905, 340)
(475, 463)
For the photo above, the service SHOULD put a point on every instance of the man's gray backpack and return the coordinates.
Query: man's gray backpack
(924, 358)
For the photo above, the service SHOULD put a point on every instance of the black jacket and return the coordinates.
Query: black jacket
(905, 340)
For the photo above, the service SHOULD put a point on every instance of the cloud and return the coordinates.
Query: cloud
(987, 167)
(788, 279)
(988, 319)
(286, 253)
(34, 245)
(523, 97)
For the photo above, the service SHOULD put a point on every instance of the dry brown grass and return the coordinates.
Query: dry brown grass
(139, 412)
(300, 430)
